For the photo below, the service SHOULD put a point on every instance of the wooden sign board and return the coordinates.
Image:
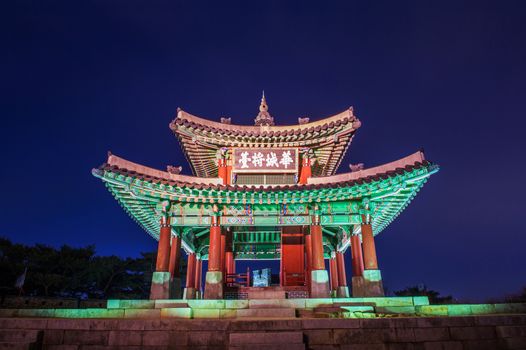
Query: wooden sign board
(265, 160)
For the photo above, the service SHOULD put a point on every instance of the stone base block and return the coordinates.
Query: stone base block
(198, 294)
(368, 285)
(267, 313)
(319, 286)
(160, 288)
(189, 293)
(175, 288)
(266, 294)
(214, 285)
(342, 292)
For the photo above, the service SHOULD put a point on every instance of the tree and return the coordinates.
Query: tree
(74, 272)
(421, 290)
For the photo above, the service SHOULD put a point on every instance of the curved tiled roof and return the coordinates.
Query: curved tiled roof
(201, 138)
(124, 167)
(140, 189)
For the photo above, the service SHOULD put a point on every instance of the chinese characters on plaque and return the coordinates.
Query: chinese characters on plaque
(265, 160)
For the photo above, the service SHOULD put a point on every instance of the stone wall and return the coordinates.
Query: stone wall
(470, 332)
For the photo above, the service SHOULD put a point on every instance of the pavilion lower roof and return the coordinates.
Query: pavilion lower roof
(141, 190)
(201, 138)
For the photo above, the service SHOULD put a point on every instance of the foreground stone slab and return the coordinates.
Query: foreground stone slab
(130, 304)
(266, 338)
(267, 313)
(179, 312)
(206, 304)
(266, 294)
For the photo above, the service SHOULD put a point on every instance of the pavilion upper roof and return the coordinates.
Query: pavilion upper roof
(200, 139)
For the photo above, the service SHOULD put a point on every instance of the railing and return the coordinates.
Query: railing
(238, 279)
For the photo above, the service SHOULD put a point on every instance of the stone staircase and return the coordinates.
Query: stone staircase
(270, 308)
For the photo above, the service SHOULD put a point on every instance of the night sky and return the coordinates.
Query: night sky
(79, 78)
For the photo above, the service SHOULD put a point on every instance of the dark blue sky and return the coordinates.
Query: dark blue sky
(81, 78)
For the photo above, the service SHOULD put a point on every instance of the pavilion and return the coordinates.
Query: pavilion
(266, 192)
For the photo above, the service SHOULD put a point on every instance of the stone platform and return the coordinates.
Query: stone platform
(343, 323)
(466, 332)
(270, 308)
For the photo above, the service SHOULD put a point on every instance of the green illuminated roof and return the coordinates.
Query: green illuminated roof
(255, 213)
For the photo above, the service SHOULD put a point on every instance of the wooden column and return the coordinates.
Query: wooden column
(163, 249)
(357, 259)
(229, 261)
(214, 280)
(319, 283)
(198, 272)
(223, 253)
(342, 277)
(369, 249)
(222, 170)
(161, 278)
(229, 255)
(190, 271)
(214, 254)
(333, 272)
(175, 257)
(306, 170)
(308, 257)
(317, 248)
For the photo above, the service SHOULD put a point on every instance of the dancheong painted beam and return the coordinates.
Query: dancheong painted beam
(262, 190)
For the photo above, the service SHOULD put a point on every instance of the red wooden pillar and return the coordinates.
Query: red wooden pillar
(369, 248)
(370, 285)
(357, 259)
(223, 252)
(214, 275)
(163, 249)
(306, 170)
(342, 277)
(308, 257)
(230, 265)
(160, 287)
(214, 254)
(317, 248)
(334, 273)
(319, 287)
(343, 290)
(190, 271)
(189, 291)
(175, 257)
(198, 272)
(222, 171)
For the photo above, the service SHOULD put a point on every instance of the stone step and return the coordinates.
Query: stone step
(18, 346)
(19, 335)
(353, 304)
(247, 338)
(339, 309)
(268, 347)
(267, 313)
(266, 294)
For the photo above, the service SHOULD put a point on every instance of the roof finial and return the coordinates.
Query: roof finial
(264, 118)
(263, 107)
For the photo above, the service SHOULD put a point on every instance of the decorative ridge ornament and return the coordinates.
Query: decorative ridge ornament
(356, 167)
(176, 170)
(264, 118)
